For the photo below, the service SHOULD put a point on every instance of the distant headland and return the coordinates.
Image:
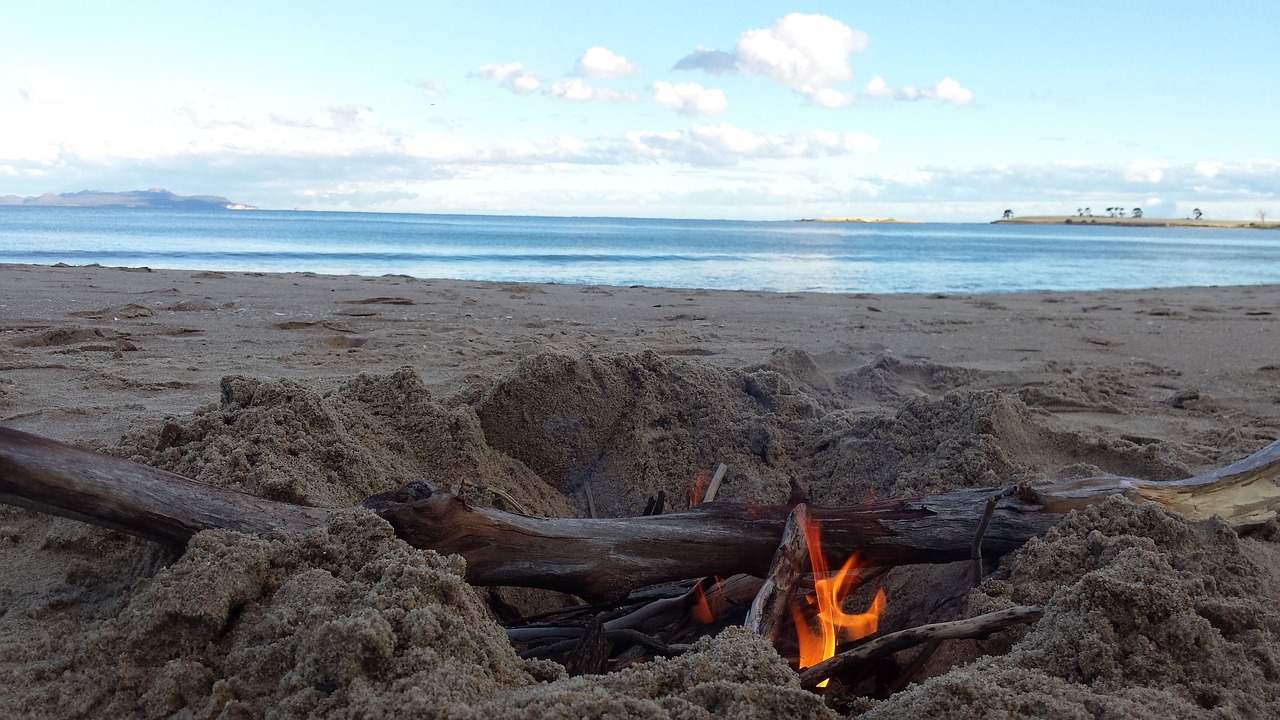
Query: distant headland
(858, 220)
(153, 198)
(1135, 221)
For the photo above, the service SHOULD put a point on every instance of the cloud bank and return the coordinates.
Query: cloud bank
(725, 144)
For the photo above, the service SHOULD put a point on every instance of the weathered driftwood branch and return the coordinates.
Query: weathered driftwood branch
(605, 558)
(876, 648)
(52, 477)
(714, 488)
(769, 610)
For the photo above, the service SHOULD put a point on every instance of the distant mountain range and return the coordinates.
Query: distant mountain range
(153, 198)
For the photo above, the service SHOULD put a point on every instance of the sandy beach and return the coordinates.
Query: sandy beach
(323, 390)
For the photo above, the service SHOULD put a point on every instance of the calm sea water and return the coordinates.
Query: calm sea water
(779, 256)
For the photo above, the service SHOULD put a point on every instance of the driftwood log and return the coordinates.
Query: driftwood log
(601, 559)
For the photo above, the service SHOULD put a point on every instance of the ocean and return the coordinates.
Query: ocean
(714, 254)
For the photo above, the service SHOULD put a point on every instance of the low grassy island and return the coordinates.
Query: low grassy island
(1134, 221)
(855, 219)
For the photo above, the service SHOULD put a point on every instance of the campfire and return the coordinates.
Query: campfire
(800, 605)
(654, 583)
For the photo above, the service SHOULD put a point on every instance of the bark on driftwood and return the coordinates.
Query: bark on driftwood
(605, 558)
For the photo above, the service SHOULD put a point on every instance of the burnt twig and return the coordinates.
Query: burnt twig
(876, 648)
(987, 512)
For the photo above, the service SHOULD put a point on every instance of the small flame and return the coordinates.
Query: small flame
(707, 608)
(700, 483)
(829, 594)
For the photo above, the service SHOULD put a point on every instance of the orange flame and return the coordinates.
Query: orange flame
(829, 594)
(700, 482)
(706, 608)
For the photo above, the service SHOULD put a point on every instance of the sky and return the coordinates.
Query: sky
(935, 111)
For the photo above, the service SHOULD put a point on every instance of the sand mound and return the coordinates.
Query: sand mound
(1092, 389)
(966, 438)
(733, 675)
(631, 425)
(1147, 616)
(76, 339)
(351, 622)
(282, 440)
(889, 378)
(340, 623)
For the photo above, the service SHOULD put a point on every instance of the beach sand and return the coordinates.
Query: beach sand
(323, 390)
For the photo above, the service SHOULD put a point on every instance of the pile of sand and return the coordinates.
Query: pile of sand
(1146, 615)
(285, 441)
(347, 622)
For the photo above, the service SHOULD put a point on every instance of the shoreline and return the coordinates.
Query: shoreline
(571, 284)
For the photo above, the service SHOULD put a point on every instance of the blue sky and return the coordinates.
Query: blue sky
(939, 111)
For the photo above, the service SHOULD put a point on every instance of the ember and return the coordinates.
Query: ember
(700, 482)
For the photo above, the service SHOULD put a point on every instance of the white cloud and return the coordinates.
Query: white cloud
(800, 51)
(914, 177)
(576, 89)
(433, 146)
(341, 118)
(1261, 174)
(725, 144)
(877, 88)
(431, 89)
(947, 90)
(689, 98)
(1208, 169)
(830, 98)
(512, 76)
(207, 113)
(54, 91)
(716, 62)
(562, 148)
(599, 62)
(807, 53)
(1145, 171)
